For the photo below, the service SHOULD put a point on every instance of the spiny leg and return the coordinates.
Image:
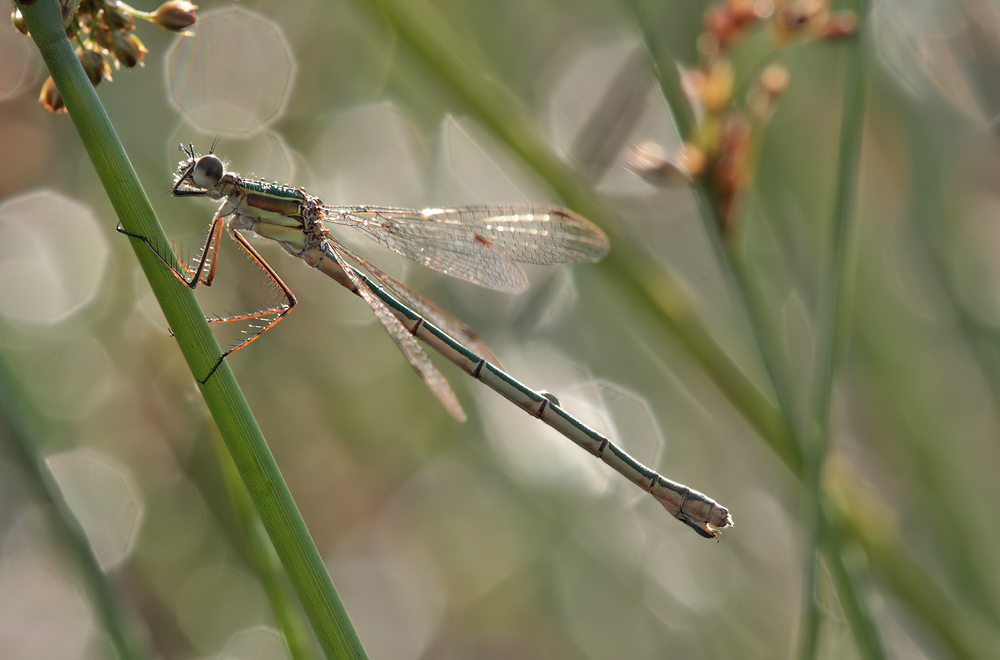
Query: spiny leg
(281, 311)
(211, 247)
(198, 275)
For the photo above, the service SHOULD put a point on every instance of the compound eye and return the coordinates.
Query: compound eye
(208, 171)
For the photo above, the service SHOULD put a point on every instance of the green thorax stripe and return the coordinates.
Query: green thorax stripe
(265, 188)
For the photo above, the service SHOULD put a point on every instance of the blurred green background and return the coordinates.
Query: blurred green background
(499, 538)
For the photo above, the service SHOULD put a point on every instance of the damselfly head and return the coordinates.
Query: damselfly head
(208, 171)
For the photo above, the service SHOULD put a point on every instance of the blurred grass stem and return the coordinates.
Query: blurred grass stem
(25, 432)
(832, 323)
(232, 415)
(262, 557)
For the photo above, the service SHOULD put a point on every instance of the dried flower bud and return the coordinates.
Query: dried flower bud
(176, 15)
(94, 64)
(118, 20)
(841, 24)
(774, 79)
(772, 83)
(50, 97)
(18, 21)
(708, 45)
(721, 23)
(651, 162)
(103, 36)
(790, 18)
(718, 88)
(692, 159)
(742, 11)
(128, 49)
(813, 9)
(734, 144)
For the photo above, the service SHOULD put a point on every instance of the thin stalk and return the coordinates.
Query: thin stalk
(225, 401)
(831, 321)
(265, 561)
(23, 428)
(665, 70)
(963, 630)
(936, 229)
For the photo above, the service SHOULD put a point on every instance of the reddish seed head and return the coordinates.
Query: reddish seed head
(789, 18)
(103, 36)
(128, 49)
(742, 11)
(720, 22)
(718, 89)
(18, 21)
(841, 24)
(94, 64)
(117, 20)
(176, 15)
(774, 79)
(50, 97)
(652, 162)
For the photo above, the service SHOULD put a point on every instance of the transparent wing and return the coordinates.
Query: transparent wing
(479, 243)
(424, 307)
(407, 343)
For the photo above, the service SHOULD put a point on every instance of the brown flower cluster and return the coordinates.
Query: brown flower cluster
(718, 152)
(104, 29)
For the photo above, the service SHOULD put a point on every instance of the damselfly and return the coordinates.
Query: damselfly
(479, 244)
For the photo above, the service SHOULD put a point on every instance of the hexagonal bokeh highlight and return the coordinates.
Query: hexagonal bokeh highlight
(395, 600)
(371, 154)
(473, 169)
(216, 600)
(257, 643)
(234, 75)
(538, 454)
(52, 256)
(104, 498)
(533, 452)
(43, 613)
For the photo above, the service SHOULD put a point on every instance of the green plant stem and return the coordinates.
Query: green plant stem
(962, 629)
(23, 428)
(225, 401)
(665, 69)
(832, 321)
(264, 560)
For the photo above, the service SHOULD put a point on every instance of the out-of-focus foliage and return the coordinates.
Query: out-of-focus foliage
(496, 538)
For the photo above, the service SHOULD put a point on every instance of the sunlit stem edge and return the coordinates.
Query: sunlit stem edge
(263, 559)
(831, 315)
